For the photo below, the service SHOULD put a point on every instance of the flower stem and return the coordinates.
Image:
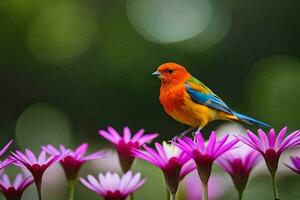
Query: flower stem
(240, 195)
(131, 196)
(204, 191)
(173, 196)
(72, 185)
(275, 188)
(39, 190)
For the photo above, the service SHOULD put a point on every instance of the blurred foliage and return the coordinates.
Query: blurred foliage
(89, 62)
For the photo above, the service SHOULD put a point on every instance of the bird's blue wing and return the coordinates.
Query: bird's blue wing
(210, 100)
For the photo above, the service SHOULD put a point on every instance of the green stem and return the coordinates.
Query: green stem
(39, 190)
(72, 185)
(240, 195)
(204, 191)
(132, 196)
(275, 188)
(173, 196)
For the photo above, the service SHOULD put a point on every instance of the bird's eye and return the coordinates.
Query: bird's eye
(170, 71)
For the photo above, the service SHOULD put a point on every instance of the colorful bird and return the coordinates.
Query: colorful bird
(190, 102)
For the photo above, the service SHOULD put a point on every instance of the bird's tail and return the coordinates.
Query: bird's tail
(250, 120)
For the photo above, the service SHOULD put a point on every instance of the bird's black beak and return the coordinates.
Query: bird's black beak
(156, 74)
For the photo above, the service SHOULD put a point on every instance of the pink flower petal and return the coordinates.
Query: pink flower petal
(286, 143)
(133, 182)
(263, 138)
(42, 158)
(108, 136)
(155, 155)
(188, 167)
(18, 180)
(96, 155)
(211, 143)
(249, 142)
(280, 138)
(127, 134)
(161, 152)
(31, 156)
(225, 148)
(146, 156)
(221, 142)
(5, 148)
(137, 136)
(272, 138)
(200, 141)
(87, 184)
(81, 150)
(50, 150)
(108, 183)
(255, 140)
(6, 181)
(114, 133)
(125, 181)
(147, 138)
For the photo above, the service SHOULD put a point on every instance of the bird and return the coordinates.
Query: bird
(189, 101)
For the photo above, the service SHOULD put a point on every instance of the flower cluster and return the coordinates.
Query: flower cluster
(181, 158)
(271, 148)
(71, 162)
(204, 154)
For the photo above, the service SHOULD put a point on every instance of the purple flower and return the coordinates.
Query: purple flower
(74, 160)
(295, 166)
(14, 191)
(112, 187)
(6, 161)
(124, 144)
(37, 167)
(170, 159)
(271, 148)
(239, 163)
(205, 154)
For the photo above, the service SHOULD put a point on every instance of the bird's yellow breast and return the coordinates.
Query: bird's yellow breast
(179, 105)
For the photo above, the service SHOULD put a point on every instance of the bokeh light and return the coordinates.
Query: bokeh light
(167, 21)
(109, 163)
(231, 129)
(62, 32)
(274, 92)
(42, 124)
(213, 34)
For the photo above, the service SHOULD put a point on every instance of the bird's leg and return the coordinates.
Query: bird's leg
(182, 134)
(186, 131)
(198, 130)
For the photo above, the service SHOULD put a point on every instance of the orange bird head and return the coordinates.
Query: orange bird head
(171, 73)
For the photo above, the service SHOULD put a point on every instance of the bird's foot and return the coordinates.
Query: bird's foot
(198, 131)
(174, 139)
(194, 134)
